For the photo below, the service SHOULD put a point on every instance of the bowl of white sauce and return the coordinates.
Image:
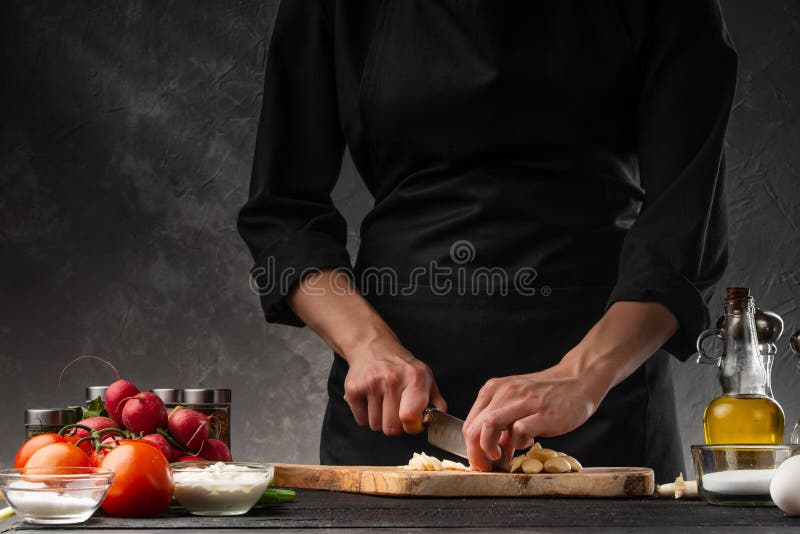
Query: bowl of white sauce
(220, 488)
(55, 495)
(738, 475)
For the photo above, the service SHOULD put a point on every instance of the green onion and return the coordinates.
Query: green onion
(276, 496)
(5, 513)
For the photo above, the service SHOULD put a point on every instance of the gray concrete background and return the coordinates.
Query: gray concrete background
(125, 148)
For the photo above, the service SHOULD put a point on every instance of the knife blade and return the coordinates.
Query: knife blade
(445, 431)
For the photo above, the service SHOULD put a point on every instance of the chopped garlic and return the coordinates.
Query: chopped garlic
(423, 462)
(680, 489)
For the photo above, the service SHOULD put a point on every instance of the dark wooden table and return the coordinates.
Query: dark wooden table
(342, 512)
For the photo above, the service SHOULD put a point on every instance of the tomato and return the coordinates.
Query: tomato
(60, 454)
(34, 444)
(108, 442)
(142, 484)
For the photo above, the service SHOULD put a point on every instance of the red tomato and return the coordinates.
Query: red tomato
(60, 454)
(34, 444)
(109, 442)
(142, 484)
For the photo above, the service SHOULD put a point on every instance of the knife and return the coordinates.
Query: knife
(447, 432)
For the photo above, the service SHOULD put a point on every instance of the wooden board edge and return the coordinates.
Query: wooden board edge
(630, 482)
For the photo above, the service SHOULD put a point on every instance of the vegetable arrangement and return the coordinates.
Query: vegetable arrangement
(134, 435)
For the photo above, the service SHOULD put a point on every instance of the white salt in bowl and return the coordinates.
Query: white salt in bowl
(55, 495)
(220, 488)
(738, 475)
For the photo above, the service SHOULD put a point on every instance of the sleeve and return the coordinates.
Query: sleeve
(289, 221)
(677, 248)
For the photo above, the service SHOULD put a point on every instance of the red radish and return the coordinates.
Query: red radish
(95, 423)
(111, 440)
(144, 412)
(191, 458)
(216, 450)
(188, 427)
(116, 393)
(175, 453)
(161, 442)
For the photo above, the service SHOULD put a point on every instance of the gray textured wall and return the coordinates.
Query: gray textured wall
(125, 145)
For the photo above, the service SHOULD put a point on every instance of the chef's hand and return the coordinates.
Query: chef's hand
(510, 412)
(387, 388)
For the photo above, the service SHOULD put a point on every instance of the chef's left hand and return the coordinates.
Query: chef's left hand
(510, 412)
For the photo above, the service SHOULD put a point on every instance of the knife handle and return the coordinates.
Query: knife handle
(426, 415)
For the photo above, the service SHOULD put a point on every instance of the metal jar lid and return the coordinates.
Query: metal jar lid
(168, 395)
(51, 417)
(206, 396)
(92, 392)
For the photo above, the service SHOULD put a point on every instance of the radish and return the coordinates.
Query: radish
(188, 427)
(216, 450)
(116, 394)
(175, 453)
(95, 423)
(144, 412)
(190, 458)
(161, 442)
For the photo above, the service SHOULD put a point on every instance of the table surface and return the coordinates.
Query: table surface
(344, 512)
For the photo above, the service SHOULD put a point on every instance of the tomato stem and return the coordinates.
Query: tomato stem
(65, 429)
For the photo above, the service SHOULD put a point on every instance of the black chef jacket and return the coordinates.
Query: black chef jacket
(579, 142)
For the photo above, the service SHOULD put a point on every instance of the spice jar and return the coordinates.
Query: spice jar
(96, 392)
(170, 396)
(43, 420)
(214, 403)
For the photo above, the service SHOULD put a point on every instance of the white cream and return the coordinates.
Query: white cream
(739, 482)
(219, 488)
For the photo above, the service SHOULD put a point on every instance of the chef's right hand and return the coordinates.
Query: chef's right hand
(388, 389)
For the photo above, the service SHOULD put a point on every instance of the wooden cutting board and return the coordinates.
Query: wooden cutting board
(386, 480)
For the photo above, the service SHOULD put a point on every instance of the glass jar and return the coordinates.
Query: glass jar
(44, 420)
(794, 344)
(96, 392)
(170, 396)
(214, 403)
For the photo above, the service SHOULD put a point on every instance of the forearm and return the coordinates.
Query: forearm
(621, 341)
(330, 304)
(386, 386)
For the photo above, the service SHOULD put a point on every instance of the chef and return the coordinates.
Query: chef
(548, 214)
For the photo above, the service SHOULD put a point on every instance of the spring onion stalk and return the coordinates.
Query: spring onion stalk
(276, 496)
(5, 513)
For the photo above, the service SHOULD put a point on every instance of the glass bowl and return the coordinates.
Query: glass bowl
(55, 495)
(220, 488)
(738, 475)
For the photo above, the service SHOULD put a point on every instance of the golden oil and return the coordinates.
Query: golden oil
(743, 419)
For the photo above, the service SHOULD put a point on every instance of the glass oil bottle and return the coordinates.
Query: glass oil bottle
(745, 413)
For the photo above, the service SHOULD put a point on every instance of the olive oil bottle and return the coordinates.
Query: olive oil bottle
(744, 413)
